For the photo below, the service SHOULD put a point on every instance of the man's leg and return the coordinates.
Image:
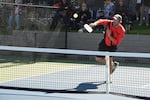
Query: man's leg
(141, 14)
(103, 61)
(54, 21)
(10, 20)
(146, 16)
(17, 19)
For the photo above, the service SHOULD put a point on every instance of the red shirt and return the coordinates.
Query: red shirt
(116, 32)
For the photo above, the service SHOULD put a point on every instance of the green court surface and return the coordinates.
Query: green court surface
(11, 71)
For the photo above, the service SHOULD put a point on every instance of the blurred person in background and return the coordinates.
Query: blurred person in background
(15, 14)
(63, 13)
(109, 9)
(144, 12)
(100, 15)
(122, 9)
(84, 16)
(138, 6)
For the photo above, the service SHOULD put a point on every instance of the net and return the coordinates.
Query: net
(64, 70)
(50, 69)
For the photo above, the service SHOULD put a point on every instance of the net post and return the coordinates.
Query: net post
(107, 73)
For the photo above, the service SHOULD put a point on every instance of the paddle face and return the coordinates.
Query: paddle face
(88, 28)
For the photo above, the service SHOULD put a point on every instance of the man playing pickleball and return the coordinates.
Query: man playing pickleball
(113, 36)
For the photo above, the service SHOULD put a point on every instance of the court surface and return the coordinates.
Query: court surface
(87, 77)
(24, 95)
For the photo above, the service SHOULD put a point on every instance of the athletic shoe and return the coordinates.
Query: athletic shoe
(115, 65)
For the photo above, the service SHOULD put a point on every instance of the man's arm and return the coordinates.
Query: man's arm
(100, 22)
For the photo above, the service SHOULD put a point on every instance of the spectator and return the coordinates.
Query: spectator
(138, 5)
(122, 10)
(149, 14)
(16, 13)
(63, 12)
(144, 12)
(100, 16)
(109, 9)
(84, 15)
(26, 1)
(51, 2)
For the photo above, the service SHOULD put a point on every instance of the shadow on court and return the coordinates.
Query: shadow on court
(88, 85)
